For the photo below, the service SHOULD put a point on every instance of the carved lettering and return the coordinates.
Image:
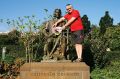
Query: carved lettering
(56, 74)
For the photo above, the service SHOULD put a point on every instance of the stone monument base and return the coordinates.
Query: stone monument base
(54, 70)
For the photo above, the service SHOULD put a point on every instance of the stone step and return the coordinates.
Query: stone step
(54, 70)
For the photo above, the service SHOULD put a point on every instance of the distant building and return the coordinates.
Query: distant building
(4, 33)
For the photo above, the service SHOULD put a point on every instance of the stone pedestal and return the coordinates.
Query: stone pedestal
(54, 70)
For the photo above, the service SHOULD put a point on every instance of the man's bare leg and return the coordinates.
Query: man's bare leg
(78, 48)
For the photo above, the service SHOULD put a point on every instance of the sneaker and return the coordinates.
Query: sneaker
(78, 60)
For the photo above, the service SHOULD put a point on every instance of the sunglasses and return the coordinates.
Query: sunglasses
(68, 8)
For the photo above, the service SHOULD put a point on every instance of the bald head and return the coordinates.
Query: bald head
(68, 5)
(69, 8)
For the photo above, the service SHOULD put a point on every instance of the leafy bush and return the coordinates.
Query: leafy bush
(111, 71)
(113, 37)
(9, 59)
(97, 47)
(97, 44)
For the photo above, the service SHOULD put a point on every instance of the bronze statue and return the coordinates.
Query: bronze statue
(55, 46)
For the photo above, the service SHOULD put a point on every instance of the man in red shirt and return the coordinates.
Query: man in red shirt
(76, 27)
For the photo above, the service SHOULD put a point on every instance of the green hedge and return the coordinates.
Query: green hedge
(113, 37)
(111, 71)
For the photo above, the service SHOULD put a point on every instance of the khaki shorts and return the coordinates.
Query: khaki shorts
(78, 37)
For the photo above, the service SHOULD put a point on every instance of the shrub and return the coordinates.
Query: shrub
(111, 71)
(113, 37)
(97, 47)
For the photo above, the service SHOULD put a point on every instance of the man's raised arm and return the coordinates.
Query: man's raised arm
(68, 23)
(60, 20)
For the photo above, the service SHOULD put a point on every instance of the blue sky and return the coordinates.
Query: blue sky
(95, 9)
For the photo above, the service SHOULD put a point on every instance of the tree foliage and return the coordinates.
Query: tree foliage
(97, 48)
(86, 23)
(113, 37)
(105, 22)
(14, 37)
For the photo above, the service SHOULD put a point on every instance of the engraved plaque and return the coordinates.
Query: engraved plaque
(55, 71)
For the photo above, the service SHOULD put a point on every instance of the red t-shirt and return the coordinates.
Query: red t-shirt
(77, 24)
